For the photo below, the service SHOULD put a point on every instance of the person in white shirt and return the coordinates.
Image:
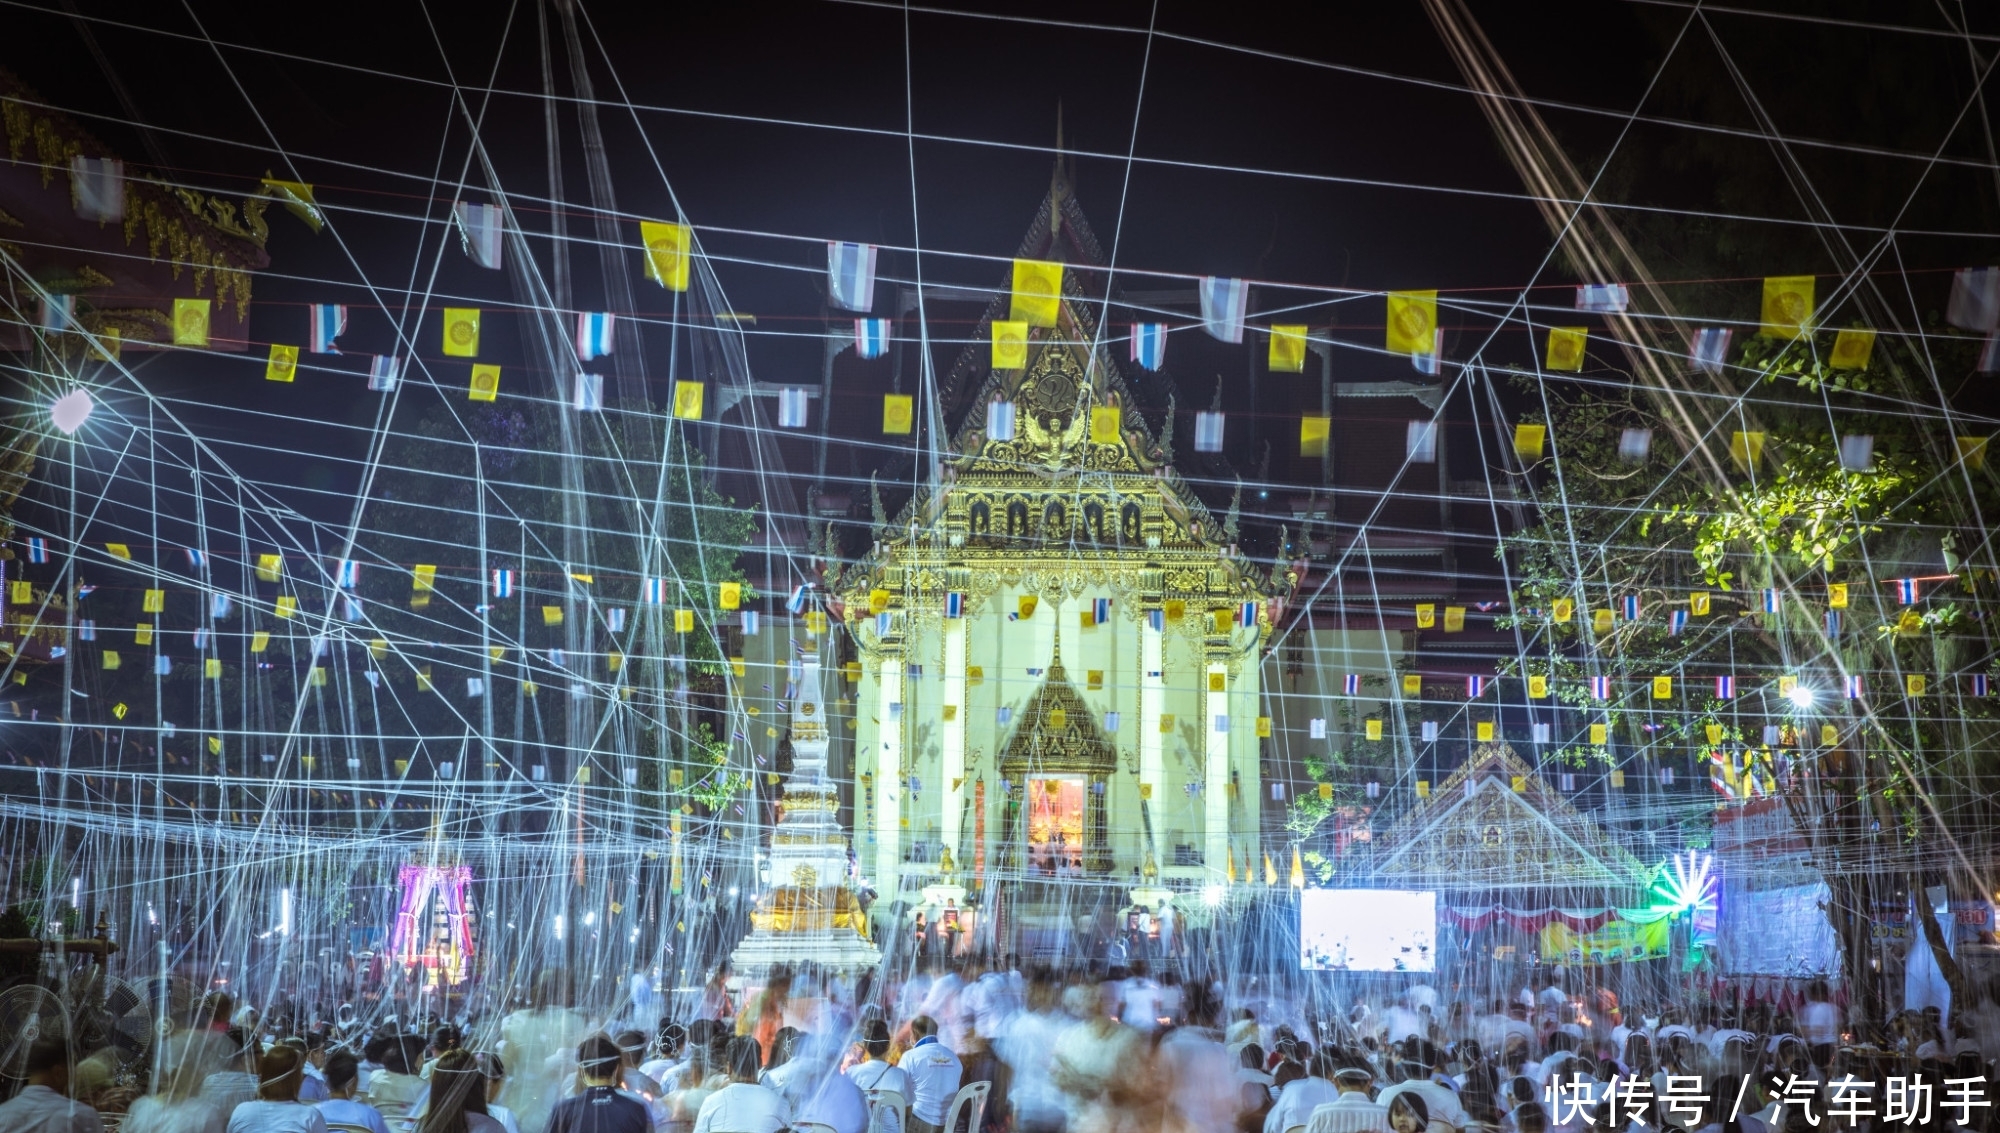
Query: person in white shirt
(743, 1106)
(1353, 1111)
(934, 1076)
(829, 1097)
(277, 1108)
(342, 1075)
(665, 1068)
(1297, 1099)
(875, 1073)
(44, 1104)
(175, 1104)
(1819, 1023)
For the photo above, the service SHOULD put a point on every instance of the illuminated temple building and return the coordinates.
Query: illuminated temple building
(1059, 652)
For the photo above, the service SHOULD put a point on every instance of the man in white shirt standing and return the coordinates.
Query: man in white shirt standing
(934, 1076)
(1353, 1111)
(44, 1104)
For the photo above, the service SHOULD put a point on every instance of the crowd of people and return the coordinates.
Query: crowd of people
(981, 1047)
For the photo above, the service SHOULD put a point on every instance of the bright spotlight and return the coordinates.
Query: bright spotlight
(1800, 696)
(71, 410)
(1213, 895)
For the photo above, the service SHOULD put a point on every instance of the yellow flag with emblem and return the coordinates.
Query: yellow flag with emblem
(1599, 733)
(1564, 609)
(667, 247)
(1413, 684)
(1313, 433)
(1412, 322)
(1698, 603)
(687, 400)
(283, 364)
(1746, 449)
(1010, 345)
(1037, 293)
(1426, 615)
(1851, 350)
(1836, 595)
(899, 411)
(1566, 348)
(269, 567)
(1528, 441)
(461, 332)
(191, 322)
(485, 383)
(1788, 306)
(154, 601)
(1663, 688)
(730, 596)
(1104, 420)
(1972, 450)
(1288, 349)
(1538, 686)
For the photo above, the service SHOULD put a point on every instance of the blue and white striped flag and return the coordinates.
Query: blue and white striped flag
(196, 558)
(329, 321)
(382, 373)
(1979, 684)
(1853, 687)
(1223, 302)
(38, 549)
(593, 334)
(1603, 298)
(58, 312)
(503, 583)
(1725, 687)
(614, 619)
(750, 623)
(1208, 432)
(653, 591)
(792, 403)
(871, 337)
(1156, 620)
(1474, 687)
(1000, 420)
(589, 395)
(882, 623)
(797, 602)
(1430, 362)
(479, 231)
(1631, 604)
(1711, 347)
(219, 605)
(86, 630)
(163, 665)
(1100, 612)
(1676, 622)
(1149, 344)
(352, 606)
(1770, 599)
(1351, 684)
(954, 605)
(347, 574)
(1247, 616)
(1833, 623)
(850, 276)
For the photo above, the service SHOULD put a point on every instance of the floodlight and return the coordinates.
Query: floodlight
(71, 410)
(1213, 896)
(1801, 696)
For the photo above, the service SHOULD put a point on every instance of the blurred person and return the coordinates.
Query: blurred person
(1096, 1060)
(457, 1102)
(875, 1072)
(1026, 1043)
(601, 1107)
(744, 1105)
(1297, 1098)
(343, 1073)
(236, 1080)
(277, 1108)
(935, 1074)
(175, 1104)
(44, 1104)
(669, 1043)
(395, 1089)
(1197, 1073)
(1354, 1111)
(445, 1038)
(537, 1041)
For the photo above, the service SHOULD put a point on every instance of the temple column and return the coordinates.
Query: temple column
(889, 780)
(952, 768)
(1152, 697)
(1215, 761)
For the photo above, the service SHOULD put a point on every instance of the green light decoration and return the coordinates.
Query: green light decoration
(1685, 883)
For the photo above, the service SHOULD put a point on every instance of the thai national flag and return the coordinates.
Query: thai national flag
(1676, 622)
(589, 394)
(1156, 620)
(1149, 344)
(503, 584)
(792, 403)
(1833, 623)
(1770, 599)
(1351, 685)
(1906, 591)
(1631, 607)
(1223, 302)
(1603, 298)
(1854, 687)
(329, 321)
(1208, 432)
(1248, 615)
(653, 591)
(86, 630)
(593, 334)
(219, 605)
(954, 605)
(1000, 420)
(797, 603)
(480, 230)
(352, 607)
(614, 619)
(1725, 688)
(382, 373)
(347, 574)
(1979, 684)
(871, 337)
(1600, 688)
(1711, 346)
(1101, 611)
(196, 559)
(58, 312)
(850, 275)
(1474, 686)
(749, 623)
(882, 623)
(38, 549)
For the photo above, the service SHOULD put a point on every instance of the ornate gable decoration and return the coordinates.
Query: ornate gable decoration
(1478, 832)
(1053, 399)
(1057, 731)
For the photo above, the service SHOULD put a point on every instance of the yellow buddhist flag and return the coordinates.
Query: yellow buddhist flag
(1175, 609)
(1104, 424)
(423, 577)
(118, 551)
(423, 685)
(23, 593)
(1423, 788)
(1851, 350)
(852, 671)
(1599, 733)
(1037, 293)
(1166, 723)
(1026, 606)
(878, 601)
(461, 332)
(951, 713)
(1223, 620)
(283, 364)
(614, 661)
(1566, 348)
(1518, 783)
(1484, 731)
(269, 567)
(898, 414)
(1698, 603)
(815, 622)
(1538, 686)
(1786, 685)
(316, 676)
(1663, 688)
(1617, 780)
(1263, 727)
(1915, 683)
(730, 596)
(1218, 682)
(496, 652)
(1600, 621)
(1972, 450)
(1093, 679)
(1564, 609)
(1372, 729)
(552, 615)
(975, 674)
(1454, 619)
(683, 621)
(583, 775)
(285, 606)
(1413, 685)
(1058, 718)
(1528, 440)
(1828, 735)
(1412, 322)
(153, 602)
(297, 197)
(1713, 732)
(1288, 349)
(485, 384)
(111, 660)
(1010, 345)
(1326, 790)
(687, 400)
(1788, 306)
(1836, 595)
(261, 640)
(1313, 433)
(1746, 449)
(1426, 615)
(190, 322)
(737, 665)
(120, 709)
(667, 247)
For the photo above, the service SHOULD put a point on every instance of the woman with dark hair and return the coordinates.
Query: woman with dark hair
(277, 1108)
(458, 1097)
(1409, 1114)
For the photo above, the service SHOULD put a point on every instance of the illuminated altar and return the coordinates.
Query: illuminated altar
(434, 921)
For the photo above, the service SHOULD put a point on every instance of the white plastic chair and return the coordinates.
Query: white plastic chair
(973, 1095)
(888, 1112)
